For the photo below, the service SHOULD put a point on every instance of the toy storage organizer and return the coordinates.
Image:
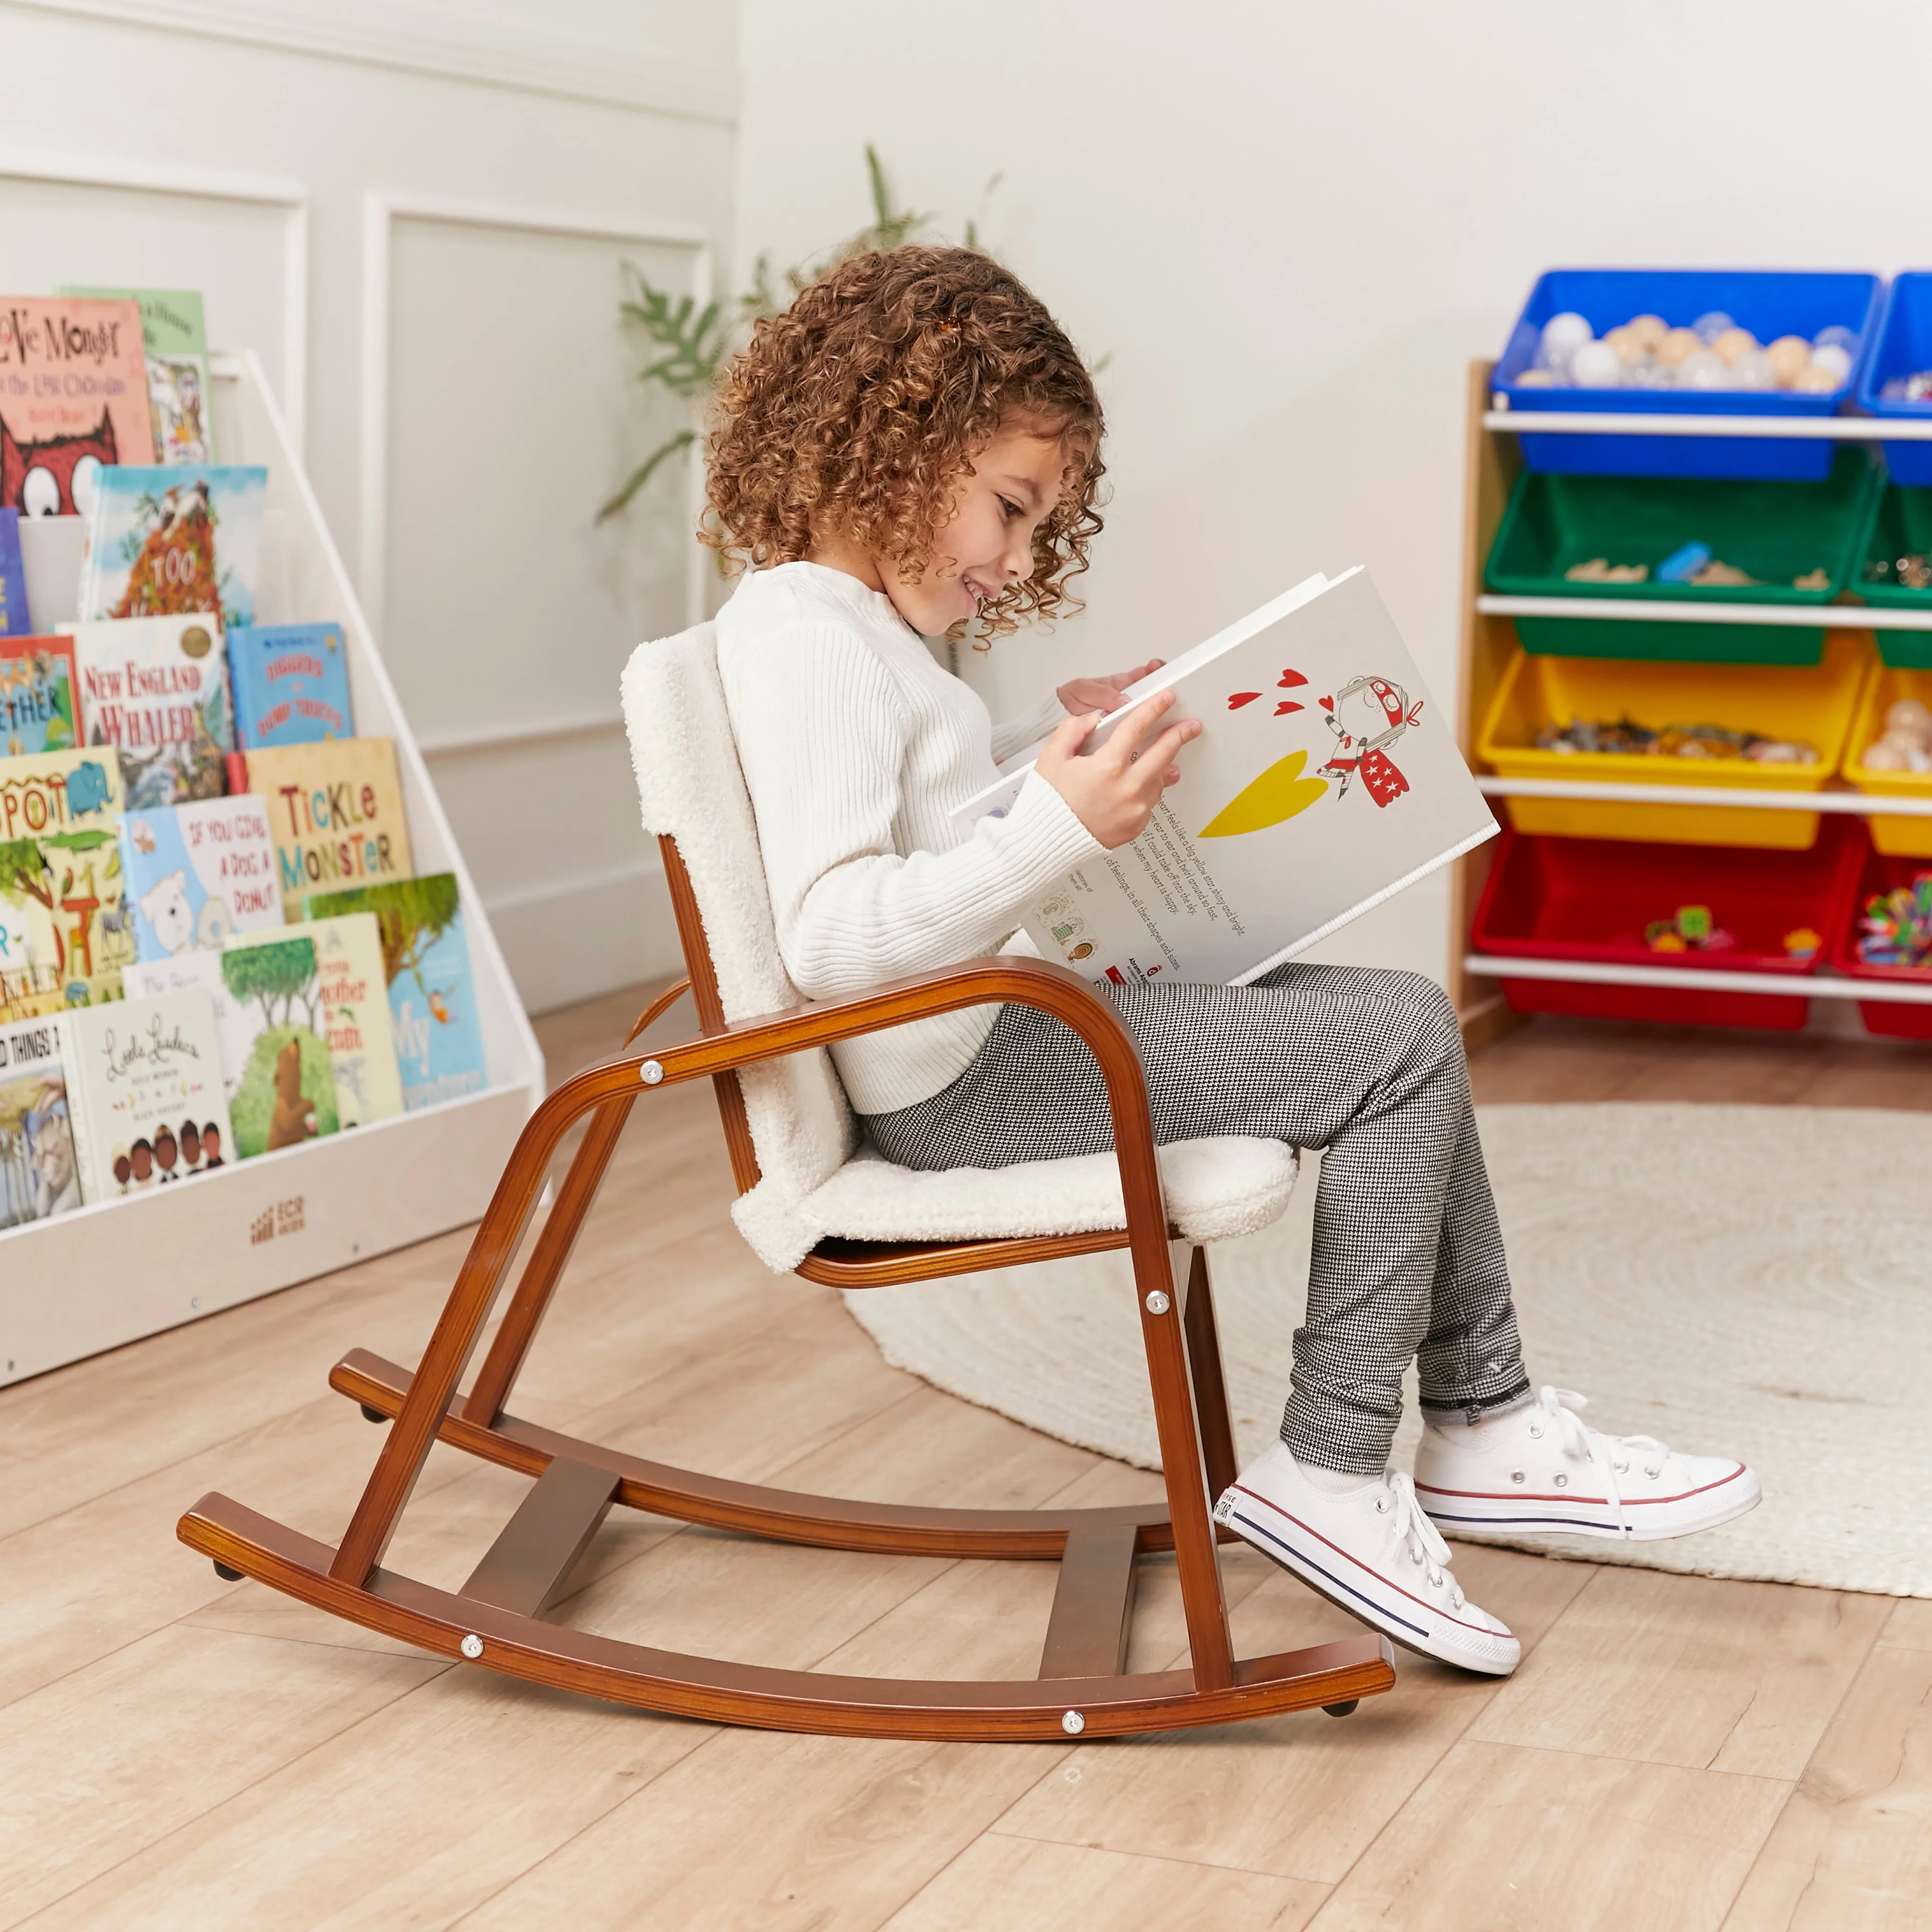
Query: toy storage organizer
(110, 1273)
(1550, 918)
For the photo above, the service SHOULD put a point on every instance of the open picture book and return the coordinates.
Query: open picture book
(1324, 781)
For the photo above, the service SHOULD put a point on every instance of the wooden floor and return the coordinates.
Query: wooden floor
(175, 1751)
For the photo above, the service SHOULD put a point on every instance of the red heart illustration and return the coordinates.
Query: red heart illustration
(1287, 705)
(1290, 679)
(1241, 697)
(1327, 704)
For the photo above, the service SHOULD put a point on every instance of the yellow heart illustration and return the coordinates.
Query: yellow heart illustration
(1279, 793)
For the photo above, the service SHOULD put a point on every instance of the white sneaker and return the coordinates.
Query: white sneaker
(1373, 1552)
(1539, 1469)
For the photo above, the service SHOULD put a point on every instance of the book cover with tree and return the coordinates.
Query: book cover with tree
(426, 963)
(285, 1095)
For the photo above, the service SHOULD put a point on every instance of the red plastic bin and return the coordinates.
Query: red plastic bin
(1560, 899)
(1894, 1019)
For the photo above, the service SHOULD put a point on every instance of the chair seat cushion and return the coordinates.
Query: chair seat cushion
(1215, 1188)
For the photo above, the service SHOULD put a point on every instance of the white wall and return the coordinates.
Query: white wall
(1292, 225)
(417, 212)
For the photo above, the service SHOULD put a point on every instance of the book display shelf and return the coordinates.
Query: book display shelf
(103, 1275)
(1552, 916)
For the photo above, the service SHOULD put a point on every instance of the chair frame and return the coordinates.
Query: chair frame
(498, 1619)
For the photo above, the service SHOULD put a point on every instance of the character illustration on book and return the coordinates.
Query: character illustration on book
(170, 555)
(167, 910)
(56, 478)
(286, 1094)
(1378, 713)
(174, 392)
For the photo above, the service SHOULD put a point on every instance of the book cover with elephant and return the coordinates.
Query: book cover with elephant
(1325, 780)
(198, 872)
(156, 689)
(145, 1092)
(64, 932)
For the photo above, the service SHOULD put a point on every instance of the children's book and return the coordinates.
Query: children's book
(39, 1173)
(164, 540)
(351, 1012)
(73, 400)
(14, 620)
(285, 1095)
(39, 706)
(426, 964)
(156, 689)
(1324, 781)
(64, 932)
(336, 810)
(291, 685)
(239, 1024)
(175, 338)
(194, 874)
(145, 1094)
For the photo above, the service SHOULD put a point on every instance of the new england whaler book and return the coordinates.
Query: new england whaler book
(1324, 781)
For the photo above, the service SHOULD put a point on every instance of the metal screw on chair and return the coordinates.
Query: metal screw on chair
(650, 1073)
(1158, 1302)
(1073, 1723)
(472, 1646)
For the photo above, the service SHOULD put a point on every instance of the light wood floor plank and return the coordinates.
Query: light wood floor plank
(1509, 1840)
(1852, 1851)
(1050, 1888)
(1689, 1671)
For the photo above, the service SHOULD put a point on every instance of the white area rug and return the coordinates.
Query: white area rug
(1746, 1281)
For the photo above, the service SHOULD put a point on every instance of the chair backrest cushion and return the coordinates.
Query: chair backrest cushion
(690, 787)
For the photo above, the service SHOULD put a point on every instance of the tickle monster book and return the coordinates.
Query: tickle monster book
(336, 811)
(74, 399)
(1324, 781)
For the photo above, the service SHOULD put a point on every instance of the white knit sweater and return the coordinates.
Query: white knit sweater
(855, 747)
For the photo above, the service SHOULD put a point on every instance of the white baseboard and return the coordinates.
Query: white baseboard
(571, 939)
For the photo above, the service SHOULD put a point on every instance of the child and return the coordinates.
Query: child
(914, 444)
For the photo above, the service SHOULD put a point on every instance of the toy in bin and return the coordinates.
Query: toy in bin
(1690, 928)
(1906, 744)
(1645, 352)
(1896, 928)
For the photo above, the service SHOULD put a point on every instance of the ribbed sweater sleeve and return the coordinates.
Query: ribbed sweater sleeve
(824, 727)
(1020, 734)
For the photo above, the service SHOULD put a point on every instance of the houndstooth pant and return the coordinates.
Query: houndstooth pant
(1367, 1066)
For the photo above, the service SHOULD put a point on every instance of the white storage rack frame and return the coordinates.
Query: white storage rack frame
(111, 1273)
(1483, 510)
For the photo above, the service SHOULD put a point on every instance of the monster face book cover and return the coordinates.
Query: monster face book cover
(74, 399)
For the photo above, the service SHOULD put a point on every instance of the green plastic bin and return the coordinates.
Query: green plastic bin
(1899, 525)
(1772, 530)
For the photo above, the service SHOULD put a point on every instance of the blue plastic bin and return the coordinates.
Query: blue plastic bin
(1769, 303)
(1904, 346)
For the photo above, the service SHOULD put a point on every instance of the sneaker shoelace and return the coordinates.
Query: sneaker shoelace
(1410, 1525)
(1609, 1455)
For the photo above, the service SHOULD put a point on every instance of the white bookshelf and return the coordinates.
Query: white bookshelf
(112, 1272)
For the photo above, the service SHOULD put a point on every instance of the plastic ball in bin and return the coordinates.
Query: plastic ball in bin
(1753, 370)
(1649, 331)
(1789, 356)
(1711, 325)
(1677, 343)
(1562, 336)
(1596, 365)
(1833, 357)
(1733, 343)
(1837, 336)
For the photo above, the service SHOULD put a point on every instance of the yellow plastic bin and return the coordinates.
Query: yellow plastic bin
(1899, 837)
(1812, 703)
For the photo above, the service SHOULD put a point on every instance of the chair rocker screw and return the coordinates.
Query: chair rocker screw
(1342, 1710)
(472, 1646)
(1158, 1302)
(372, 1414)
(650, 1073)
(1073, 1723)
(227, 1575)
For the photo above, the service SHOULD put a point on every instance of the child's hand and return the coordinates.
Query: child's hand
(1083, 694)
(1113, 792)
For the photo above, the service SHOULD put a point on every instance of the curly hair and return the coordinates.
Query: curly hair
(862, 407)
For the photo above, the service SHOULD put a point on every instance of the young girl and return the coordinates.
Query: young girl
(913, 445)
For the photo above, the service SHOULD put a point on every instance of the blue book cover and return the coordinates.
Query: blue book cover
(14, 621)
(290, 683)
(165, 540)
(192, 873)
(426, 960)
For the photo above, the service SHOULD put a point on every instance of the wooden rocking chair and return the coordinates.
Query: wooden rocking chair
(806, 1202)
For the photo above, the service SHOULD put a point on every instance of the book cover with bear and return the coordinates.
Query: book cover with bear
(73, 400)
(156, 689)
(64, 933)
(145, 1093)
(285, 1094)
(40, 704)
(336, 811)
(164, 540)
(439, 1041)
(40, 1175)
(197, 873)
(290, 683)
